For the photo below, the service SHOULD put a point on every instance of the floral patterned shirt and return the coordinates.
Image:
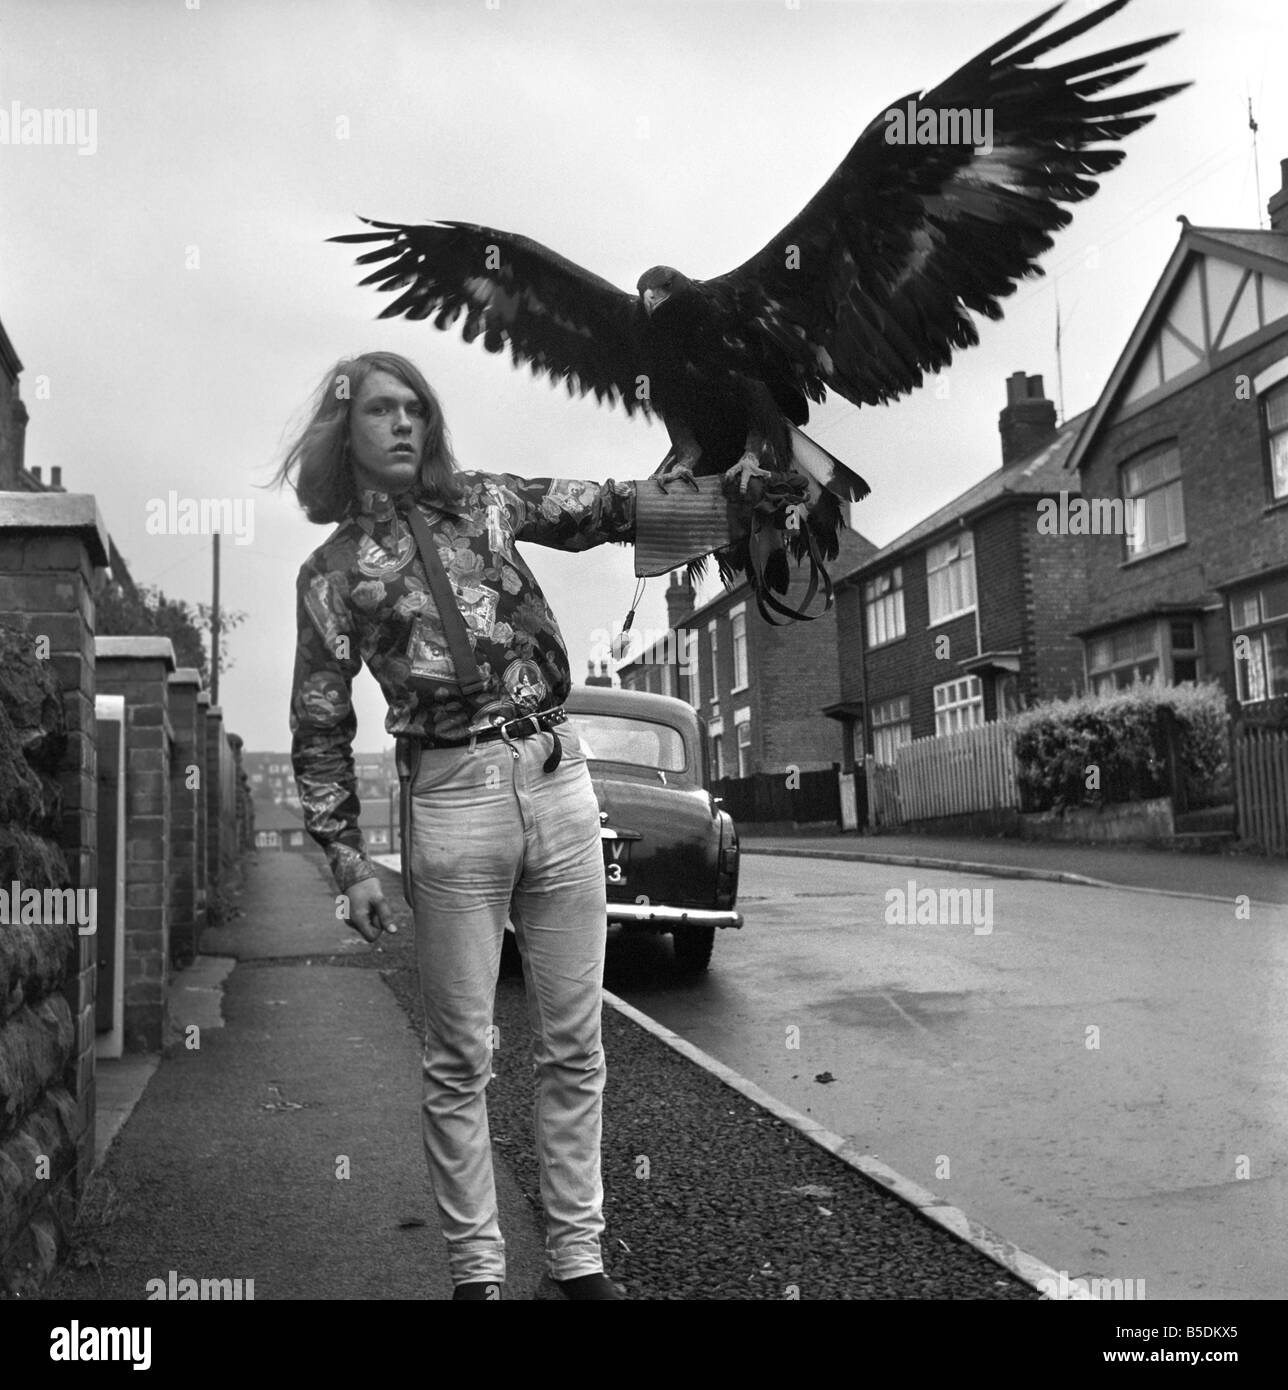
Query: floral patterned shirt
(363, 597)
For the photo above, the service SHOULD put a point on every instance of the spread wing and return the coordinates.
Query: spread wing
(873, 284)
(556, 316)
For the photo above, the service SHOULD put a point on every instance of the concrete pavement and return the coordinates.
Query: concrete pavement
(285, 1147)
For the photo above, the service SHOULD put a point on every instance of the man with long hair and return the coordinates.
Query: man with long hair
(504, 819)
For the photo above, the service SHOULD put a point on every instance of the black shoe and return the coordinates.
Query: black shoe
(486, 1291)
(598, 1287)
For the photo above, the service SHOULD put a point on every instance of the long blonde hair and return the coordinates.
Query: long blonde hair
(317, 464)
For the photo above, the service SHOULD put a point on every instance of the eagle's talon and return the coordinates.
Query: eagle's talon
(742, 473)
(677, 474)
(680, 461)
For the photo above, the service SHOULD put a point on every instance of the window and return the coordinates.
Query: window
(950, 577)
(744, 748)
(1128, 657)
(1275, 404)
(1183, 637)
(739, 618)
(1260, 623)
(715, 656)
(619, 738)
(1166, 650)
(959, 704)
(883, 607)
(693, 666)
(1153, 483)
(891, 727)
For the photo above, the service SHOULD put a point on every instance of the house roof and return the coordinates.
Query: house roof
(1037, 476)
(1272, 245)
(1264, 250)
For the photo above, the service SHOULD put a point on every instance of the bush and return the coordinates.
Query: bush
(1123, 737)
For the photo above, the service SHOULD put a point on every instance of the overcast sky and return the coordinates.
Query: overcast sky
(622, 134)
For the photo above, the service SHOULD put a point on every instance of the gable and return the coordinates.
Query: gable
(1214, 304)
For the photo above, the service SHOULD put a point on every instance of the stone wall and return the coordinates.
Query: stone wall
(50, 545)
(38, 1119)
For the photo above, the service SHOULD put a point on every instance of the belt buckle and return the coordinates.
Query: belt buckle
(529, 719)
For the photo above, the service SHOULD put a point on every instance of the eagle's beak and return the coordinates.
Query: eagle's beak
(652, 298)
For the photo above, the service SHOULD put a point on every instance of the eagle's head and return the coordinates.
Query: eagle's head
(656, 286)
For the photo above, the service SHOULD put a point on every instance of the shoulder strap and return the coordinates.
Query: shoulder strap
(458, 638)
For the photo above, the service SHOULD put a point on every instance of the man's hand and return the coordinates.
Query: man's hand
(369, 912)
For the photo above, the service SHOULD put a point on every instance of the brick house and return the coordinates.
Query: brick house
(760, 689)
(968, 616)
(1192, 427)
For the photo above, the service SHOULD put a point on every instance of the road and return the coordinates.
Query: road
(1097, 1075)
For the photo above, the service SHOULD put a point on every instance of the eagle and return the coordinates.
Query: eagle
(943, 204)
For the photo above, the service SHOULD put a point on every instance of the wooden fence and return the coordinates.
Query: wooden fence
(883, 795)
(946, 775)
(809, 798)
(1261, 787)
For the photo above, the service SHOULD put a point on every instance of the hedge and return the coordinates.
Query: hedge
(1123, 738)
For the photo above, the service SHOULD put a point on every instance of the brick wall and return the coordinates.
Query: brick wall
(202, 895)
(793, 673)
(849, 641)
(50, 545)
(185, 795)
(213, 775)
(1230, 530)
(139, 668)
(911, 665)
(1057, 605)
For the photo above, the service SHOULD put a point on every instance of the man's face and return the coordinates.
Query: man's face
(387, 428)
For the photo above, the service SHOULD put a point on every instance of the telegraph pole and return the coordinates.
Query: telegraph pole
(214, 629)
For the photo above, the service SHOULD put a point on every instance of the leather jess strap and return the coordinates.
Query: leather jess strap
(454, 629)
(449, 613)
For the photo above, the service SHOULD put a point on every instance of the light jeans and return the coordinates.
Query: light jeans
(493, 836)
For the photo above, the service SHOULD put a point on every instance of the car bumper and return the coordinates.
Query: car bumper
(659, 915)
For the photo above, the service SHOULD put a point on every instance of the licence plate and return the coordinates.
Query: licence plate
(617, 858)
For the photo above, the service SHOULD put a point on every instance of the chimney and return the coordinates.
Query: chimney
(1028, 421)
(1277, 207)
(56, 482)
(679, 599)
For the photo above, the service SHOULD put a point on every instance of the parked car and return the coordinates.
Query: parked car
(670, 851)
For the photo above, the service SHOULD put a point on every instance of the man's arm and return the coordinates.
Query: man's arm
(570, 514)
(323, 723)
